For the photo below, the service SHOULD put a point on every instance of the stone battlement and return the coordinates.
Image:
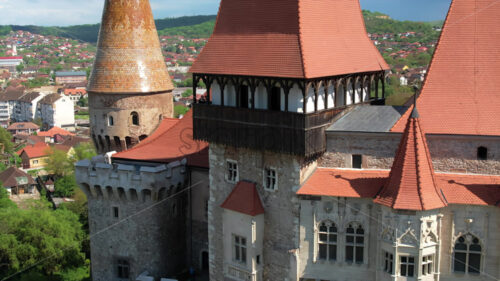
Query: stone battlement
(101, 180)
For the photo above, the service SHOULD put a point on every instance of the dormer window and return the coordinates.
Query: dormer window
(482, 153)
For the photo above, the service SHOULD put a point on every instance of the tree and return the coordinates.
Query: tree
(58, 163)
(5, 140)
(5, 202)
(65, 186)
(83, 151)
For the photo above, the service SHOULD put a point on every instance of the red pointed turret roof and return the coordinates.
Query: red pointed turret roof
(460, 94)
(411, 184)
(173, 140)
(244, 199)
(289, 38)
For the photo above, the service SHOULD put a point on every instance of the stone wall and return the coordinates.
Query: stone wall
(151, 108)
(449, 153)
(281, 207)
(137, 214)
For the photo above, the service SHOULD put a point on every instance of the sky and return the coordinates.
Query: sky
(73, 12)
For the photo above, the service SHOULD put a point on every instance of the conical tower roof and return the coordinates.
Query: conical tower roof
(129, 57)
(411, 184)
(289, 38)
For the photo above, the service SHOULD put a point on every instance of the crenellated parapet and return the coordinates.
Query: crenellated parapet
(125, 182)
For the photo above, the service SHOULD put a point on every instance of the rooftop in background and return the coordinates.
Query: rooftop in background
(460, 95)
(296, 39)
(11, 58)
(129, 58)
(172, 141)
(55, 131)
(373, 119)
(9, 177)
(70, 73)
(23, 125)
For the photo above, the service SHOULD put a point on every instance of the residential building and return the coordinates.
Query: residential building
(34, 156)
(25, 107)
(18, 182)
(23, 128)
(75, 94)
(55, 134)
(70, 77)
(8, 101)
(10, 63)
(56, 110)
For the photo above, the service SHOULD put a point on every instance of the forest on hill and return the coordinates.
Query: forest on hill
(202, 27)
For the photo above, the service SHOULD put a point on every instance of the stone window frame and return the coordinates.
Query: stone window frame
(468, 240)
(111, 120)
(232, 173)
(239, 249)
(123, 268)
(355, 244)
(352, 161)
(428, 264)
(115, 212)
(135, 119)
(328, 243)
(266, 177)
(404, 262)
(482, 153)
(388, 259)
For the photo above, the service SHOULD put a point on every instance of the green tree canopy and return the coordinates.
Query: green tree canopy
(65, 186)
(5, 140)
(58, 163)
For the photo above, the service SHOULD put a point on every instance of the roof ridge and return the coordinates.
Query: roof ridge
(301, 43)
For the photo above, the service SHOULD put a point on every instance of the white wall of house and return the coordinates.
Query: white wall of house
(61, 113)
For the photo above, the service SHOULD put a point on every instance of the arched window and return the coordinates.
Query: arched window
(482, 153)
(135, 118)
(467, 254)
(111, 121)
(355, 243)
(327, 241)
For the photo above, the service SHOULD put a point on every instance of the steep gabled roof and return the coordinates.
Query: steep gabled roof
(35, 151)
(129, 57)
(55, 131)
(289, 38)
(8, 177)
(172, 141)
(460, 94)
(411, 184)
(244, 199)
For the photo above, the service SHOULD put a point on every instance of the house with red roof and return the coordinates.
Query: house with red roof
(292, 167)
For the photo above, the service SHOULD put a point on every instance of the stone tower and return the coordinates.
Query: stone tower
(279, 73)
(130, 90)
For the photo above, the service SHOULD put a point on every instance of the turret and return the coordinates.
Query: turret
(130, 90)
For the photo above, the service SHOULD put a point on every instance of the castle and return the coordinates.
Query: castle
(291, 167)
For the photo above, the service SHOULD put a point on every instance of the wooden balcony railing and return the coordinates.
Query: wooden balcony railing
(283, 132)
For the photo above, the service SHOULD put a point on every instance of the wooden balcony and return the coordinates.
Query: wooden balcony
(283, 132)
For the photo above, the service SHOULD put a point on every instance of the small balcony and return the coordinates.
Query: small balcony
(283, 132)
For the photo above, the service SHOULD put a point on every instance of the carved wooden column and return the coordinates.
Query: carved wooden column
(376, 88)
(383, 86)
(326, 85)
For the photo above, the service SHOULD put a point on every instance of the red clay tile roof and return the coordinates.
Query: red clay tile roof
(23, 126)
(36, 150)
(244, 199)
(344, 183)
(411, 184)
(457, 188)
(283, 38)
(172, 141)
(460, 90)
(55, 131)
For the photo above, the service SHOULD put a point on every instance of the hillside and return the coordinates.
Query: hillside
(202, 26)
(89, 32)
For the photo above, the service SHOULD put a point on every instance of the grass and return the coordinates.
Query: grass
(82, 117)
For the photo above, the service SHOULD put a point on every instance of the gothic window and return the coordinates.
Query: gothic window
(270, 179)
(123, 269)
(388, 262)
(135, 118)
(240, 249)
(407, 266)
(275, 99)
(467, 254)
(232, 171)
(482, 153)
(428, 265)
(355, 241)
(327, 241)
(111, 121)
